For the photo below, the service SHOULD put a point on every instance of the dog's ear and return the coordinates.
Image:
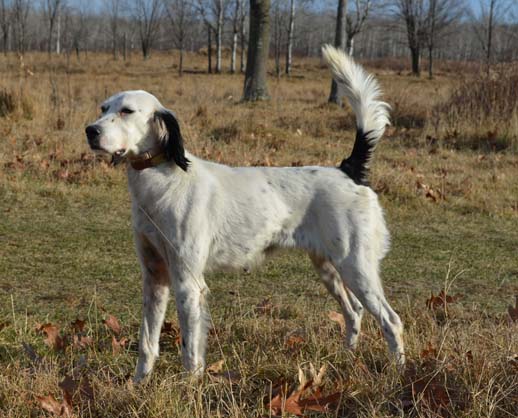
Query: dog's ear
(171, 137)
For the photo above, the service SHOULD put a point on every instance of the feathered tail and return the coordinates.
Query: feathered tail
(363, 92)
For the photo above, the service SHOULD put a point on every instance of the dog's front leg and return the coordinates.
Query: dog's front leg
(155, 293)
(191, 295)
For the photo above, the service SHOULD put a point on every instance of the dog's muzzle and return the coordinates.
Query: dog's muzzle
(93, 133)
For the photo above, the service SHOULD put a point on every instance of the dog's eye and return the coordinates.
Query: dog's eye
(104, 109)
(126, 111)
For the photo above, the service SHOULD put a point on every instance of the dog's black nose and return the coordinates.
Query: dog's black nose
(92, 133)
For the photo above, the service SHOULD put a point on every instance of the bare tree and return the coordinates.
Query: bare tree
(180, 16)
(255, 87)
(113, 10)
(5, 22)
(278, 31)
(213, 13)
(413, 14)
(52, 10)
(80, 27)
(355, 21)
(441, 16)
(339, 43)
(236, 19)
(242, 36)
(147, 16)
(20, 11)
(289, 43)
(491, 14)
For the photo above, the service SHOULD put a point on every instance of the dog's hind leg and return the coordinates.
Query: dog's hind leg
(352, 309)
(156, 284)
(362, 278)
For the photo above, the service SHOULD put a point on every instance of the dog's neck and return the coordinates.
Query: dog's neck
(148, 159)
(148, 186)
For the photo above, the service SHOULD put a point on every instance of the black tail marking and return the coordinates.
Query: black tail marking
(356, 166)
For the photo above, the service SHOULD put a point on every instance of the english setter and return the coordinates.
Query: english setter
(191, 216)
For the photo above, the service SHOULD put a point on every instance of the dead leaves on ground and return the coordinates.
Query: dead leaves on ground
(53, 339)
(76, 388)
(80, 390)
(50, 404)
(112, 323)
(55, 165)
(217, 372)
(431, 384)
(338, 318)
(308, 396)
(77, 338)
(433, 194)
(441, 300)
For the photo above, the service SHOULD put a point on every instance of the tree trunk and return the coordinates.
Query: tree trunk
(145, 49)
(5, 40)
(430, 61)
(219, 37)
(49, 46)
(58, 36)
(124, 47)
(255, 87)
(415, 55)
(209, 48)
(339, 43)
(289, 48)
(243, 41)
(349, 47)
(233, 54)
(277, 39)
(490, 34)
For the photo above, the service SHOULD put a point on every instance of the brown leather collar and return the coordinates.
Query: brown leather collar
(147, 160)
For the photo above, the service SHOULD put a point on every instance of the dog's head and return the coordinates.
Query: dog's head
(134, 122)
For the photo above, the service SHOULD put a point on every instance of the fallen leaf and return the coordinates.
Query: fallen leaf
(172, 330)
(50, 404)
(295, 404)
(265, 307)
(428, 389)
(294, 342)
(112, 323)
(430, 193)
(441, 300)
(78, 325)
(53, 339)
(82, 388)
(81, 341)
(429, 351)
(68, 384)
(317, 377)
(513, 312)
(338, 318)
(231, 376)
(215, 367)
(118, 345)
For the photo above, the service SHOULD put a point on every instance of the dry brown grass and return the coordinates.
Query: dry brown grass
(445, 199)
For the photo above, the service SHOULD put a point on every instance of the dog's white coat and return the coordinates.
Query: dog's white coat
(213, 216)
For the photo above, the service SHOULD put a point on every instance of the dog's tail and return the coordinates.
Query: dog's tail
(363, 92)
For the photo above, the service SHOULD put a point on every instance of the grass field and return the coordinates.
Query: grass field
(447, 183)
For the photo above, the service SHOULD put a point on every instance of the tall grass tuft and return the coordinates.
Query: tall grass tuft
(484, 109)
(7, 103)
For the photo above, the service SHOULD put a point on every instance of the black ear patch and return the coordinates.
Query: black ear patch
(173, 141)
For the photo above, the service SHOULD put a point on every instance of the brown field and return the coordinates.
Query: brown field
(446, 172)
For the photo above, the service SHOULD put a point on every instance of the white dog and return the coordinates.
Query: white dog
(191, 216)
